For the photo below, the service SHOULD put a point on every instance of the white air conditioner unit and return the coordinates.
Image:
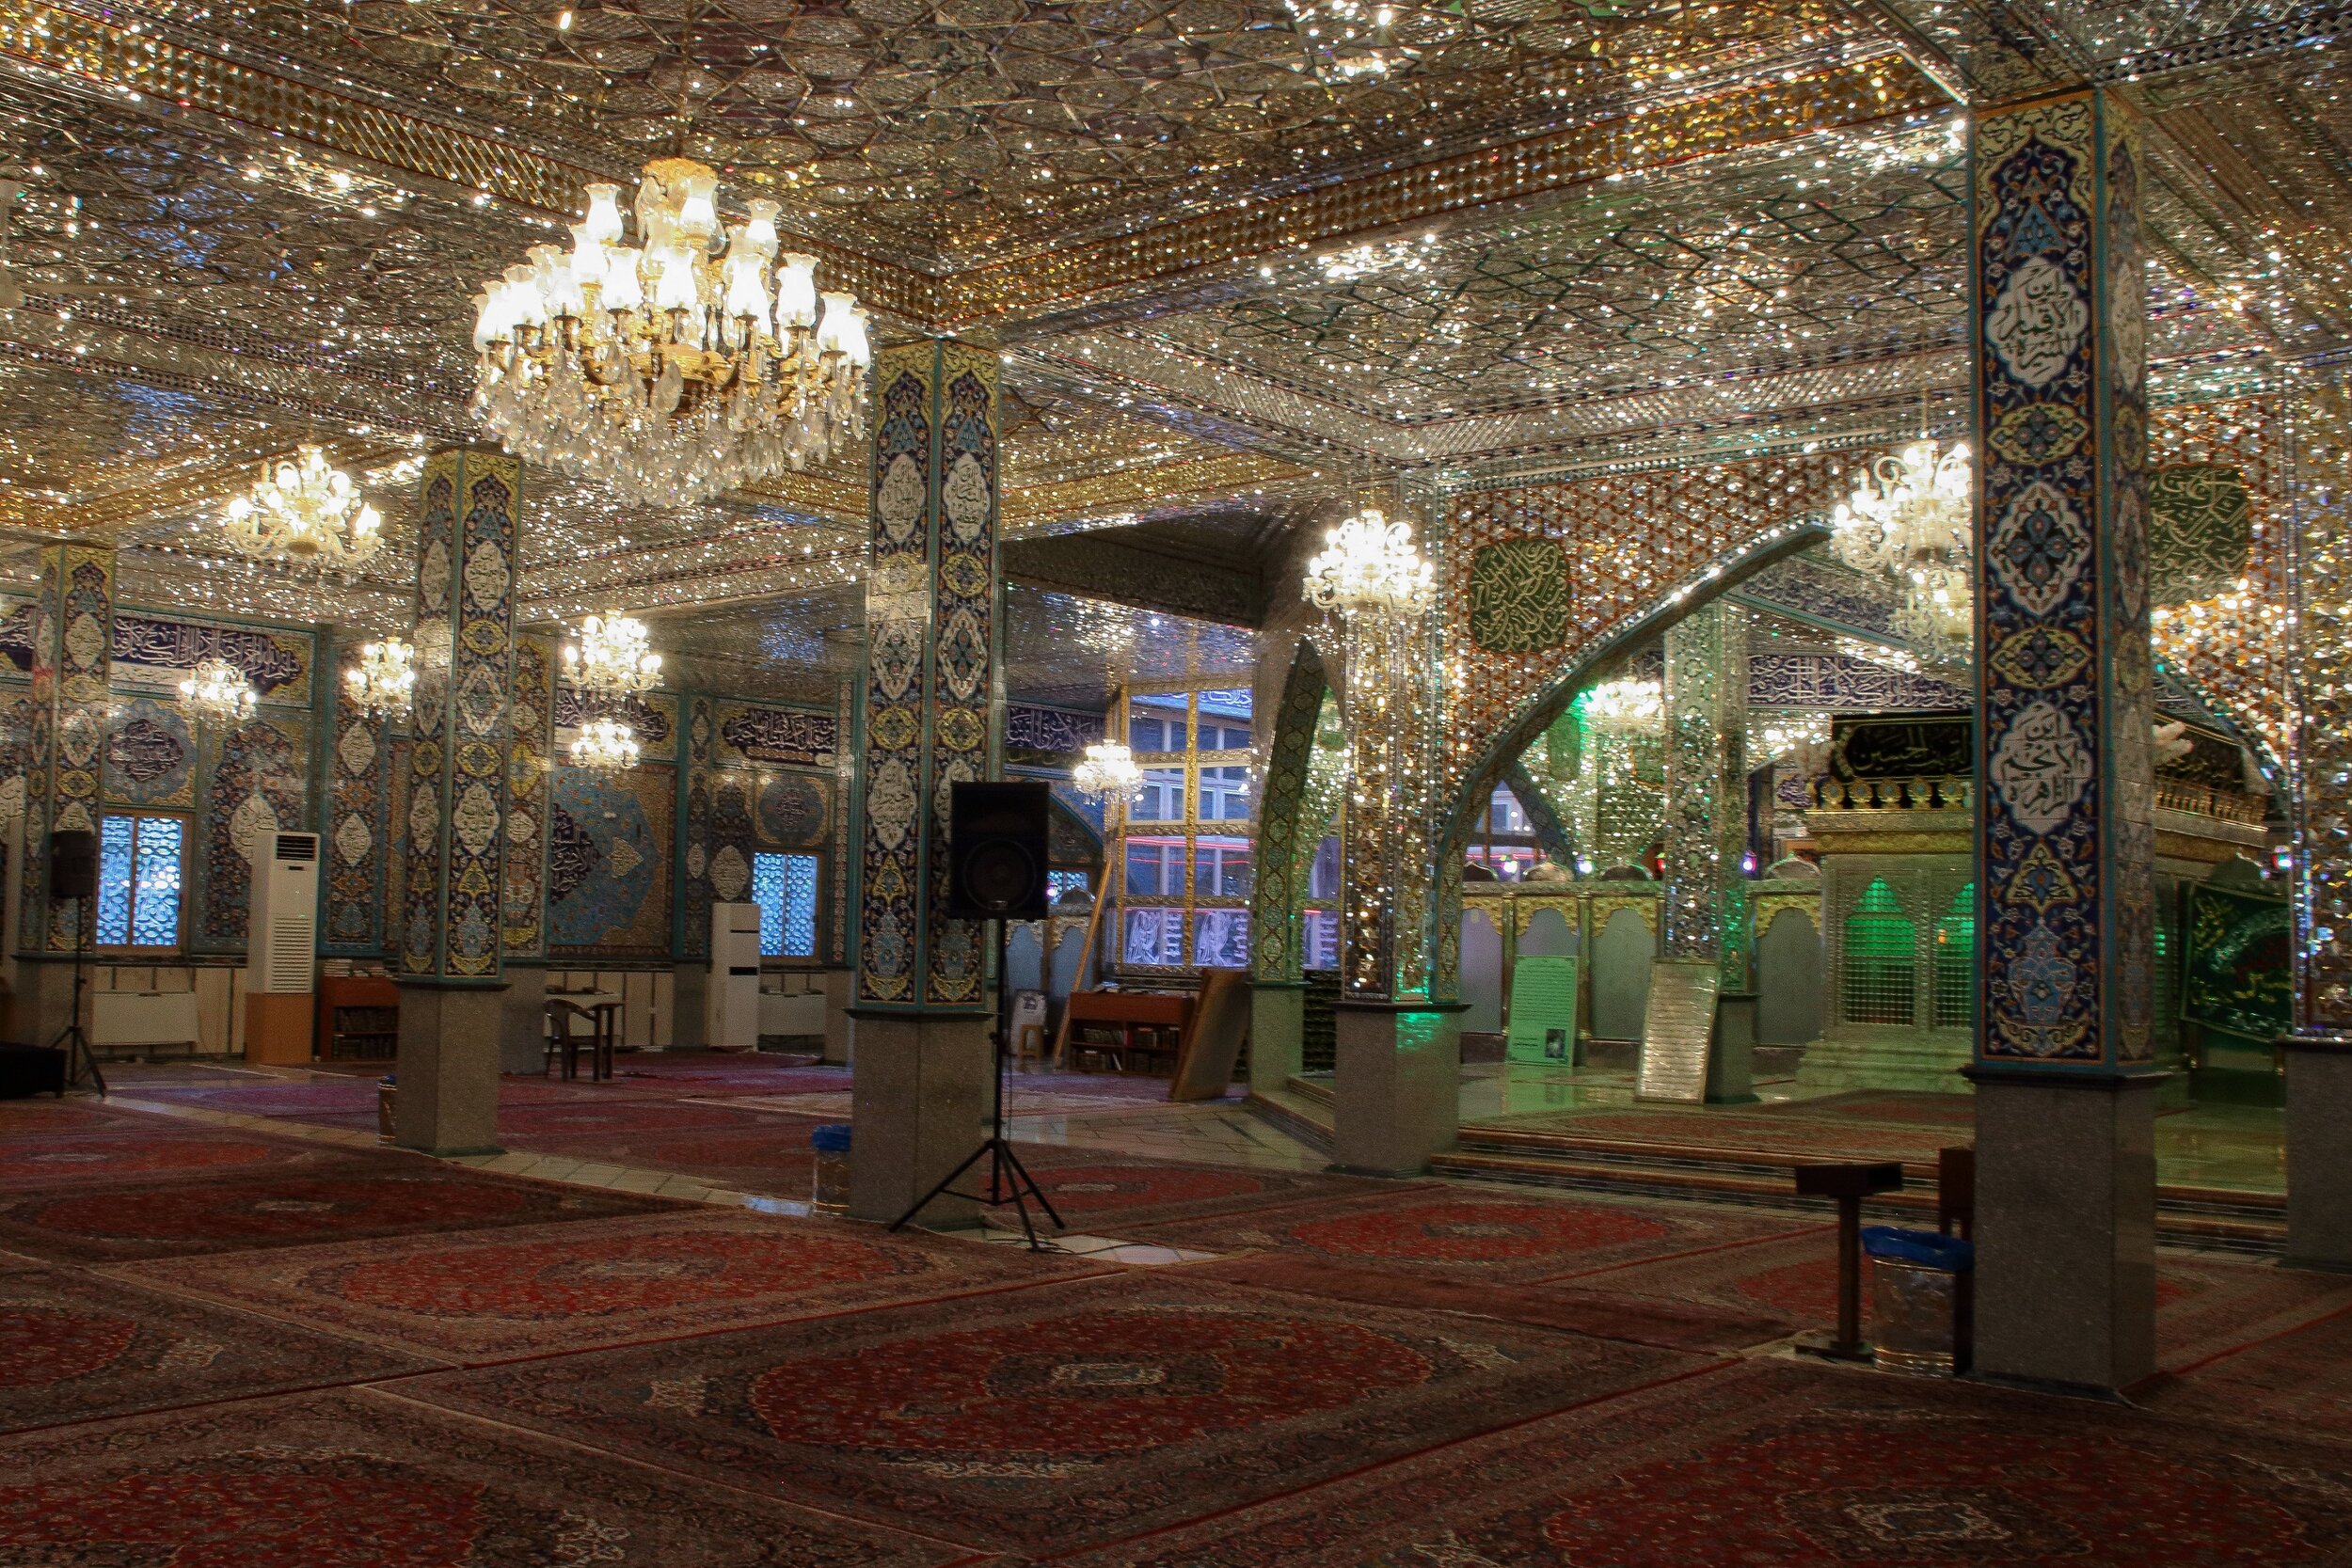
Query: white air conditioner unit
(281, 951)
(283, 937)
(731, 1003)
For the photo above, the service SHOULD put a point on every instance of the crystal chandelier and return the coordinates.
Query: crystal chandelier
(1626, 707)
(217, 693)
(613, 661)
(606, 744)
(1109, 772)
(1909, 521)
(669, 370)
(384, 682)
(1349, 40)
(303, 513)
(1370, 563)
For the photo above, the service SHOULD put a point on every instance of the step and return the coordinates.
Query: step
(1300, 1115)
(1316, 1089)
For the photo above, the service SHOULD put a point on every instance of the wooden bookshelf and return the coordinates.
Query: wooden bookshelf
(358, 1018)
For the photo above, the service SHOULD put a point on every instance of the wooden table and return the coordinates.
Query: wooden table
(1131, 1011)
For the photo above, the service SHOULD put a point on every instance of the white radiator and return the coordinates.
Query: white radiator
(143, 1017)
(791, 1015)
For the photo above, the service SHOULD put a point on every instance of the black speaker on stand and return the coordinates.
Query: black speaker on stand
(996, 863)
(73, 874)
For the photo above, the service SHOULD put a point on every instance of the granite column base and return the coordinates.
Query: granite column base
(448, 1100)
(840, 1030)
(1278, 1032)
(2319, 1151)
(522, 1020)
(1397, 1087)
(919, 1095)
(43, 1002)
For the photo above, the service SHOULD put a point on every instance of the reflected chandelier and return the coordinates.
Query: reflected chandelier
(1909, 519)
(384, 682)
(606, 744)
(613, 661)
(305, 514)
(1626, 707)
(216, 692)
(1109, 772)
(1370, 564)
(669, 370)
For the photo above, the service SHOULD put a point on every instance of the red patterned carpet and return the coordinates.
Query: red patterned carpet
(1455, 1234)
(391, 1196)
(519, 1124)
(1778, 1465)
(1762, 1132)
(2204, 1306)
(359, 1480)
(1051, 1418)
(74, 1347)
(1088, 1185)
(533, 1291)
(768, 1154)
(2298, 1380)
(145, 1152)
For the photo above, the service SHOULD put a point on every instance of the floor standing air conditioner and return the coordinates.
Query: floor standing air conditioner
(732, 1005)
(282, 952)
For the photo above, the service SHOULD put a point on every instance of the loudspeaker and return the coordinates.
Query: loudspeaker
(72, 864)
(996, 851)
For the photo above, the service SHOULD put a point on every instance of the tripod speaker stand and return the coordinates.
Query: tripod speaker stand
(996, 864)
(73, 874)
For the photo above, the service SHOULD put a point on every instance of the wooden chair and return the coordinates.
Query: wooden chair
(564, 1039)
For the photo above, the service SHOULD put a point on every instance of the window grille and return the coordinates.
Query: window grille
(1880, 972)
(785, 888)
(139, 880)
(1956, 961)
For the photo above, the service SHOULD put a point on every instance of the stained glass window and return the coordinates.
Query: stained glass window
(785, 888)
(1184, 853)
(138, 881)
(1154, 936)
(1060, 882)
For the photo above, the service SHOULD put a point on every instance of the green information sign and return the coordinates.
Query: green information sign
(1543, 1012)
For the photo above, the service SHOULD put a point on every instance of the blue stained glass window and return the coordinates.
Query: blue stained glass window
(785, 888)
(138, 881)
(1059, 882)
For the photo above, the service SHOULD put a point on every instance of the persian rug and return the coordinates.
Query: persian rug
(1739, 1132)
(2204, 1306)
(1770, 1464)
(1058, 1416)
(1876, 1105)
(151, 1149)
(1668, 1325)
(356, 1479)
(1456, 1234)
(2298, 1381)
(548, 1289)
(74, 1347)
(1087, 1185)
(414, 1197)
(49, 1118)
(771, 1155)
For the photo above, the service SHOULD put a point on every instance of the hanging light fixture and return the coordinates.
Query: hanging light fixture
(606, 744)
(1109, 772)
(1624, 706)
(1909, 519)
(613, 661)
(305, 515)
(669, 370)
(384, 681)
(1349, 40)
(1369, 564)
(217, 693)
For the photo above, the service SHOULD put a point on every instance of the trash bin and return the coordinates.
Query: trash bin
(387, 1091)
(1919, 1300)
(829, 1191)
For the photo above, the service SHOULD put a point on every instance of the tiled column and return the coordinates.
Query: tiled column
(1706, 791)
(72, 662)
(2319, 1052)
(531, 761)
(2066, 890)
(1397, 1072)
(450, 950)
(921, 1080)
(834, 937)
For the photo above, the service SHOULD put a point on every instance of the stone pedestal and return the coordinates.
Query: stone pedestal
(918, 1099)
(522, 1020)
(1396, 1093)
(1278, 1027)
(840, 985)
(2319, 1151)
(2066, 1228)
(449, 1066)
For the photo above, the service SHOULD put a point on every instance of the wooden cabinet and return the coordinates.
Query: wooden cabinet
(358, 1018)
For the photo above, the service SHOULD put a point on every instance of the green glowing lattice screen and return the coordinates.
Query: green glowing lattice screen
(1881, 959)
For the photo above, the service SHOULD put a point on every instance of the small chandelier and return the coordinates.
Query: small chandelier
(1626, 707)
(606, 744)
(216, 692)
(304, 515)
(384, 682)
(668, 369)
(613, 661)
(1369, 565)
(1109, 772)
(1349, 40)
(1909, 521)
